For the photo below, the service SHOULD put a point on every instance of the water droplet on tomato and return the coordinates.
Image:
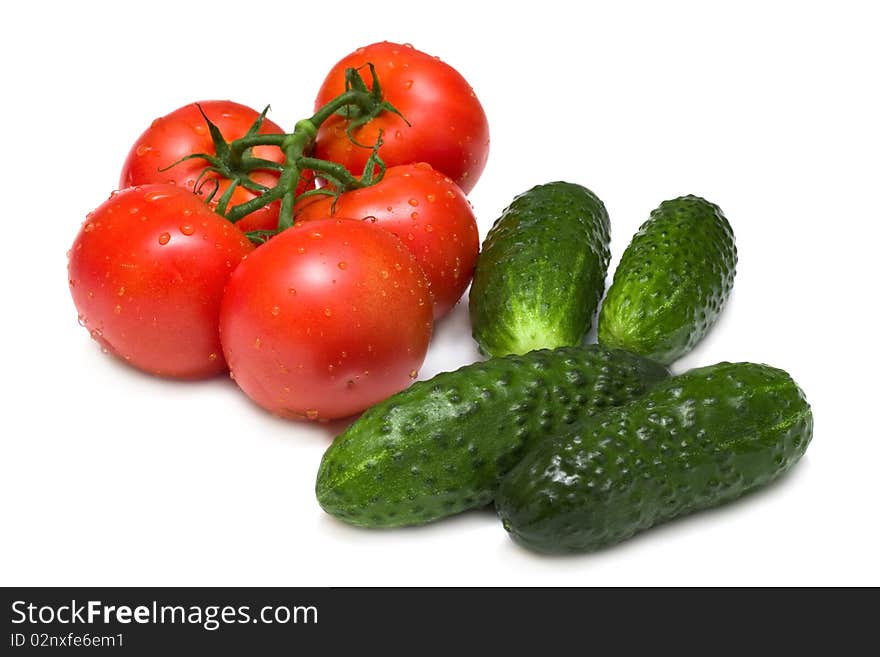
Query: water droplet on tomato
(384, 273)
(187, 229)
(315, 235)
(143, 149)
(312, 414)
(291, 290)
(371, 219)
(397, 266)
(164, 238)
(414, 216)
(200, 128)
(212, 356)
(431, 198)
(301, 250)
(413, 202)
(134, 210)
(429, 228)
(257, 343)
(121, 291)
(410, 237)
(327, 312)
(155, 196)
(413, 374)
(96, 334)
(88, 227)
(398, 134)
(187, 212)
(81, 320)
(117, 309)
(275, 311)
(408, 84)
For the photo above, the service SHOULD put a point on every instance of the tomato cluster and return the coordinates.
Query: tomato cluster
(360, 237)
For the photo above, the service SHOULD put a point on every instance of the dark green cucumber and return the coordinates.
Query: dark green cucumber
(672, 281)
(694, 441)
(541, 271)
(441, 446)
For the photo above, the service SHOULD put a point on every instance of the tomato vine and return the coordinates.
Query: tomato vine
(233, 160)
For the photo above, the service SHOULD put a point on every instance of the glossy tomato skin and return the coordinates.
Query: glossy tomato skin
(184, 132)
(448, 127)
(326, 319)
(428, 212)
(147, 272)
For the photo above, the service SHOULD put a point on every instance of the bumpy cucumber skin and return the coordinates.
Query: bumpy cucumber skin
(541, 272)
(694, 441)
(672, 281)
(441, 446)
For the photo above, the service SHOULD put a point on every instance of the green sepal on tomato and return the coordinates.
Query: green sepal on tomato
(441, 120)
(147, 272)
(158, 156)
(427, 211)
(325, 319)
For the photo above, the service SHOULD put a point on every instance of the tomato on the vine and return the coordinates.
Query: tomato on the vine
(428, 212)
(326, 319)
(184, 132)
(147, 272)
(447, 125)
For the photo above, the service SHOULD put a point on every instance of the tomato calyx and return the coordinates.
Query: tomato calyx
(355, 115)
(232, 163)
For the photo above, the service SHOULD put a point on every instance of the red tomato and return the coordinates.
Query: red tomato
(184, 132)
(326, 319)
(147, 272)
(448, 127)
(428, 212)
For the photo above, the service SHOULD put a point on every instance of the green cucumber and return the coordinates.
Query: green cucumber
(541, 271)
(672, 281)
(694, 441)
(441, 446)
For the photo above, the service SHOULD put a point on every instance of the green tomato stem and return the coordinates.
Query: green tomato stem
(362, 105)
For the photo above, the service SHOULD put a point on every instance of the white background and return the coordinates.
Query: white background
(770, 109)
